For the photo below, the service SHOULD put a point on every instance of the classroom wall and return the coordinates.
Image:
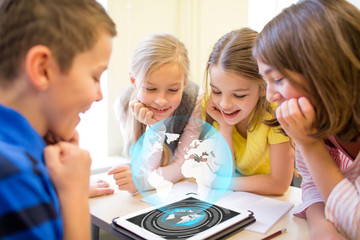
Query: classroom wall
(198, 23)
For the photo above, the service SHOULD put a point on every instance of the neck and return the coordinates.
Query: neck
(23, 98)
(352, 148)
(241, 127)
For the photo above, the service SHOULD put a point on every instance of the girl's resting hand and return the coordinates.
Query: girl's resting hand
(325, 231)
(215, 113)
(99, 188)
(297, 117)
(123, 178)
(142, 113)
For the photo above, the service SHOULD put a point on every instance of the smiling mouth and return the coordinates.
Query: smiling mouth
(230, 114)
(160, 110)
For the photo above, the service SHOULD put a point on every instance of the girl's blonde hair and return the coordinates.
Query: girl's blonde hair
(233, 53)
(151, 53)
(319, 39)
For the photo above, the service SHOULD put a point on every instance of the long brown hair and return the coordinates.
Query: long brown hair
(320, 40)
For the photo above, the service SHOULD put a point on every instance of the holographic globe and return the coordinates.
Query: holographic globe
(207, 160)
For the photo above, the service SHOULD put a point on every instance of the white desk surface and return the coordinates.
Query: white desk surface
(104, 208)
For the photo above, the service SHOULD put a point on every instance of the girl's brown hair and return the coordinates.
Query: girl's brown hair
(320, 40)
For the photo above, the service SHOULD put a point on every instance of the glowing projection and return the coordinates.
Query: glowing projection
(208, 160)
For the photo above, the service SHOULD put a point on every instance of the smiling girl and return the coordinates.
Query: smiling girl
(263, 158)
(160, 89)
(311, 63)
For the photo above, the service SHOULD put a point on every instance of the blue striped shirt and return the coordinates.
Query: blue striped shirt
(29, 207)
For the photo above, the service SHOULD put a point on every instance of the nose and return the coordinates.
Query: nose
(271, 94)
(99, 94)
(161, 99)
(225, 103)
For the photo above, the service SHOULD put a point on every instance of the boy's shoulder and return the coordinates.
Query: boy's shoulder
(27, 193)
(14, 160)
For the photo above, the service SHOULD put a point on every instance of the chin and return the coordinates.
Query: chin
(65, 137)
(232, 123)
(69, 133)
(160, 118)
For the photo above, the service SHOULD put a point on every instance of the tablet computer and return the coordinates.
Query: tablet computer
(188, 218)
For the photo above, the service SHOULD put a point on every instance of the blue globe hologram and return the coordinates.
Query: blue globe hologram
(208, 161)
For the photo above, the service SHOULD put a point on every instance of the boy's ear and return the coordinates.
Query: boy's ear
(37, 62)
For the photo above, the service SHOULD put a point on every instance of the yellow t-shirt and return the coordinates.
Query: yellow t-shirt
(252, 154)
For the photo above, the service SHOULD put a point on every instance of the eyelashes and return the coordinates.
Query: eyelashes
(237, 96)
(155, 89)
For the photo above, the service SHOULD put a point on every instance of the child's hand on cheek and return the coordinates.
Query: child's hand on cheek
(215, 113)
(142, 113)
(297, 117)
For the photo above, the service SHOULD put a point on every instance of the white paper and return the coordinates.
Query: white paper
(267, 211)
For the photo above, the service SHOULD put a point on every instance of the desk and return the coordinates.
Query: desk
(103, 209)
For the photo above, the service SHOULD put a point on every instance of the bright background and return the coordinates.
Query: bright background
(197, 23)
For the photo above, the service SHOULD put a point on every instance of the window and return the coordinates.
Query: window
(356, 3)
(259, 16)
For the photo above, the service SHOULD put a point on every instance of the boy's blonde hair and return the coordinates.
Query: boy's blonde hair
(233, 53)
(319, 39)
(151, 53)
(66, 27)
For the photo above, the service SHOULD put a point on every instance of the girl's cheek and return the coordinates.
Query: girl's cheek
(177, 99)
(214, 99)
(142, 96)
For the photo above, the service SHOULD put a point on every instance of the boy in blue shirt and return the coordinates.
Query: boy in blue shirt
(52, 54)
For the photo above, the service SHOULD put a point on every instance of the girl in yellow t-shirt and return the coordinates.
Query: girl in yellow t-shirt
(236, 105)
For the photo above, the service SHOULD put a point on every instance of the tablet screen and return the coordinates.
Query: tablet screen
(183, 219)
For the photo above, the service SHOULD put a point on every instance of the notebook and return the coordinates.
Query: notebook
(267, 211)
(188, 218)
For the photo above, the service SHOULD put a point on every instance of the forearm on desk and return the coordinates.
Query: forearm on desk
(319, 161)
(319, 226)
(76, 217)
